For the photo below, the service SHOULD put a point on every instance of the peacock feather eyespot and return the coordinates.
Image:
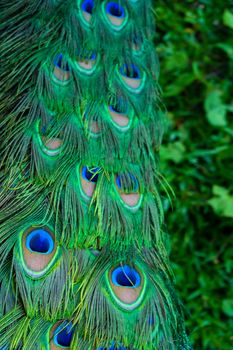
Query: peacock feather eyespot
(125, 276)
(127, 285)
(39, 241)
(127, 183)
(61, 70)
(93, 125)
(127, 186)
(87, 7)
(130, 71)
(132, 77)
(121, 115)
(115, 9)
(90, 174)
(115, 14)
(62, 334)
(117, 108)
(88, 180)
(51, 146)
(38, 248)
(87, 63)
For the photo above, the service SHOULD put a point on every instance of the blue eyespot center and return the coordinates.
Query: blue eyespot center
(119, 107)
(126, 276)
(60, 63)
(115, 9)
(87, 56)
(151, 320)
(46, 127)
(40, 241)
(130, 71)
(90, 173)
(87, 6)
(43, 129)
(93, 56)
(63, 335)
(115, 109)
(127, 183)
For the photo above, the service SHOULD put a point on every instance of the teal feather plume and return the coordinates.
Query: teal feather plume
(83, 253)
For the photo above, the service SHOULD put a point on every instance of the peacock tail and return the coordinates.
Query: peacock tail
(83, 252)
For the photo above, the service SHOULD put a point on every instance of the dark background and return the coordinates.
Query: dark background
(195, 47)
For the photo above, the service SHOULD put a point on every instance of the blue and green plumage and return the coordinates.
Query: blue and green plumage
(83, 261)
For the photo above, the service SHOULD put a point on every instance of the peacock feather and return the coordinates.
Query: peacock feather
(83, 252)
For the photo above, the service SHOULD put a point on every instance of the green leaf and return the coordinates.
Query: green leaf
(174, 152)
(228, 18)
(222, 202)
(178, 60)
(179, 85)
(220, 191)
(226, 48)
(227, 307)
(216, 110)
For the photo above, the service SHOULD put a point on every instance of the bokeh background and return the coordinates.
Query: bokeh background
(195, 48)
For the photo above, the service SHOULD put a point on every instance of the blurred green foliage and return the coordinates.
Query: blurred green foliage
(195, 47)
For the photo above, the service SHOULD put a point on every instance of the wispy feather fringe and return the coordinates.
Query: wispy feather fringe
(51, 296)
(159, 311)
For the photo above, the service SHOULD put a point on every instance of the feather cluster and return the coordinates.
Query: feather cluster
(83, 260)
